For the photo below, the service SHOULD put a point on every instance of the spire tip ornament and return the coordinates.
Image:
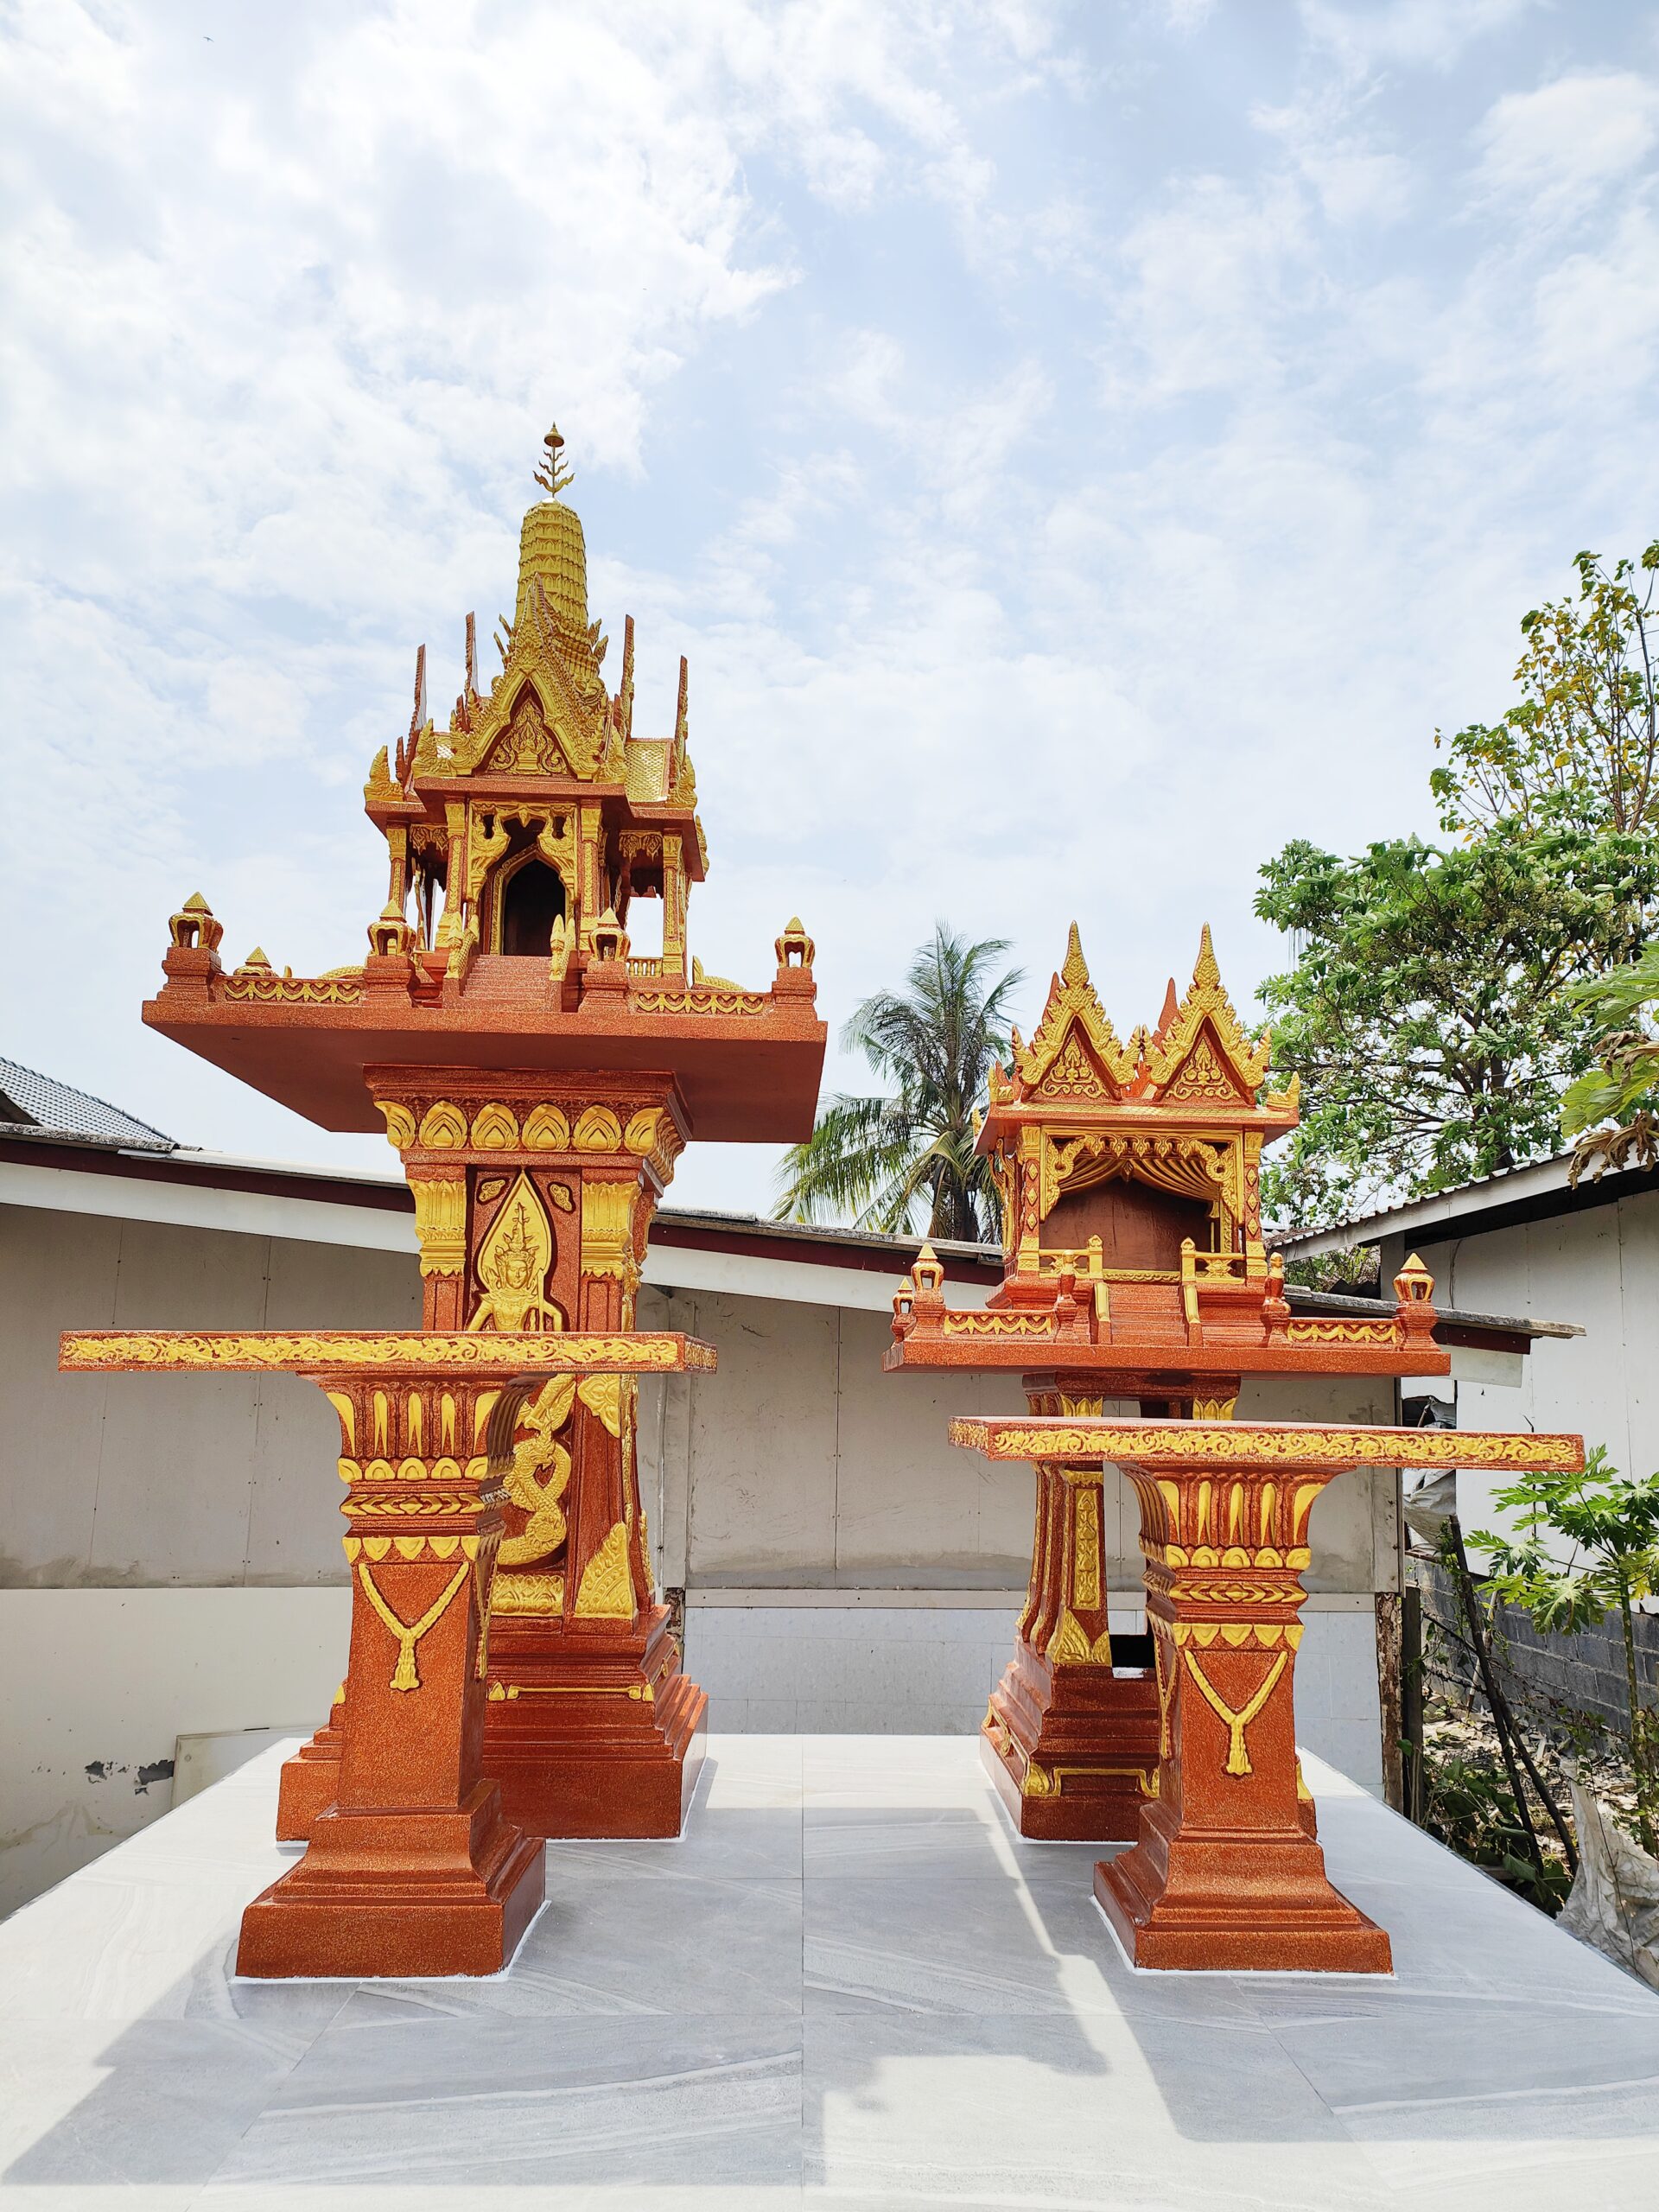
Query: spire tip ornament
(550, 475)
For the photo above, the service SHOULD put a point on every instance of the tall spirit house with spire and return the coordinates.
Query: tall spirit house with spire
(538, 1080)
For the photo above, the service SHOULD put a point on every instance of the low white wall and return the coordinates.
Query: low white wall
(1598, 1269)
(788, 1663)
(100, 1684)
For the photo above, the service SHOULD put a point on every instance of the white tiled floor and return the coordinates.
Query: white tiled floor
(849, 1984)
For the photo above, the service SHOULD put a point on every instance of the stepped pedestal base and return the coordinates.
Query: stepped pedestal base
(1251, 1903)
(309, 1783)
(403, 1893)
(593, 1732)
(1072, 1750)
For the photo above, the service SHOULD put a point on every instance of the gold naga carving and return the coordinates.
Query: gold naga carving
(538, 1475)
(606, 1590)
(513, 1266)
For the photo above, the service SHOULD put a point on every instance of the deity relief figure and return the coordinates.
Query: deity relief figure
(514, 1264)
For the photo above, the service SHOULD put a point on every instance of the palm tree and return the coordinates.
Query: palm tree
(881, 1159)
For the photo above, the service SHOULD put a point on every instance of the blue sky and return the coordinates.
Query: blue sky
(1078, 447)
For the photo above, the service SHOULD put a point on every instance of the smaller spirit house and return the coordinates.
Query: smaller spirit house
(1130, 1176)
(1130, 1181)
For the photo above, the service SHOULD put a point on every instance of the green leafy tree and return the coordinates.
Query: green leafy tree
(883, 1161)
(1579, 749)
(1613, 1110)
(1427, 1014)
(1608, 1525)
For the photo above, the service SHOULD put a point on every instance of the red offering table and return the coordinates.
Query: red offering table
(1226, 1874)
(412, 1866)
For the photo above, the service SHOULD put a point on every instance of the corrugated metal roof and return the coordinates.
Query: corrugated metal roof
(30, 1100)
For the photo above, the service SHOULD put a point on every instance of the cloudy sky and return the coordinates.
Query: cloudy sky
(1079, 449)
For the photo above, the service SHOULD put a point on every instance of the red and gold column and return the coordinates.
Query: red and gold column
(1227, 1874)
(412, 1868)
(1071, 1745)
(411, 1865)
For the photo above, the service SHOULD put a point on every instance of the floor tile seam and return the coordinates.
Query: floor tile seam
(542, 2097)
(282, 2076)
(1531, 2091)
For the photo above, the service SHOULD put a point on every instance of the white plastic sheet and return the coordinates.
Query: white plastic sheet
(1614, 1903)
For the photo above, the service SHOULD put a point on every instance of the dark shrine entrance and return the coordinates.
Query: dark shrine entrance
(533, 899)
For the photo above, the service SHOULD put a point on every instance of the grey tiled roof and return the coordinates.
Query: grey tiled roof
(29, 1101)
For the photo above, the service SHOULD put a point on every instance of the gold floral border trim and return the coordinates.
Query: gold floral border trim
(1239, 1444)
(412, 1351)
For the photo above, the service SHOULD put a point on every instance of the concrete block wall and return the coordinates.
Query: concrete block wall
(861, 1668)
(1582, 1673)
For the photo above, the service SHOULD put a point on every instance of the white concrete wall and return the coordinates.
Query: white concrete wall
(170, 1545)
(852, 1667)
(100, 1684)
(1598, 1269)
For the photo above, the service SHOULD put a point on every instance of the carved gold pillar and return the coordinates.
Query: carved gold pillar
(1070, 1743)
(1227, 1873)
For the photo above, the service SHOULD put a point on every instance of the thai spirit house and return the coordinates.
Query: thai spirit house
(1130, 1180)
(539, 1079)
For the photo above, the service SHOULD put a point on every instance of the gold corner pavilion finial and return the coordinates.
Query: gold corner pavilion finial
(1074, 971)
(552, 476)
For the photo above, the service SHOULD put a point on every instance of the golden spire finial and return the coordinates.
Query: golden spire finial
(550, 475)
(1206, 974)
(1075, 967)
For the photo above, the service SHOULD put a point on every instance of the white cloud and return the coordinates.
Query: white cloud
(1557, 150)
(1067, 488)
(1414, 34)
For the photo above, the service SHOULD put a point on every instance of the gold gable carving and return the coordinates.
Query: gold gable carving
(1074, 1039)
(1201, 1075)
(1207, 1014)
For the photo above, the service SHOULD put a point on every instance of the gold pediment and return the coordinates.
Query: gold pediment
(527, 747)
(1204, 1050)
(1074, 1052)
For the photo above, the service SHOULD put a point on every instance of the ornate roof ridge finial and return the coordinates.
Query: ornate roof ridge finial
(1074, 969)
(1072, 1000)
(551, 476)
(1205, 973)
(1206, 1002)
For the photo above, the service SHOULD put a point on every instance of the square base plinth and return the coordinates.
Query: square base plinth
(1186, 1936)
(374, 1895)
(609, 1794)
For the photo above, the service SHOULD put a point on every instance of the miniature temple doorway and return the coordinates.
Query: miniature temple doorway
(533, 899)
